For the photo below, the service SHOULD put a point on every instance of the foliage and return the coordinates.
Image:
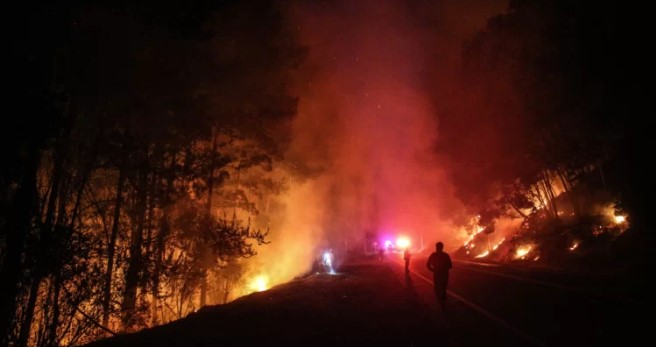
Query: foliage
(138, 126)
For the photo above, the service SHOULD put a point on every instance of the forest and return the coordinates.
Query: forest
(143, 151)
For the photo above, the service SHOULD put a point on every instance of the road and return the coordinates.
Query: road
(369, 302)
(509, 306)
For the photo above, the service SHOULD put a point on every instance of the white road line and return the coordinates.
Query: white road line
(484, 312)
(476, 263)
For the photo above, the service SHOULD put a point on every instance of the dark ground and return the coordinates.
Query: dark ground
(372, 302)
(365, 304)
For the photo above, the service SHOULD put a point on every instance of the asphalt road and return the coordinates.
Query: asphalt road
(371, 302)
(513, 306)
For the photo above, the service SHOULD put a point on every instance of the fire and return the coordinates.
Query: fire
(479, 229)
(620, 219)
(522, 251)
(574, 245)
(472, 230)
(483, 254)
(498, 244)
(259, 283)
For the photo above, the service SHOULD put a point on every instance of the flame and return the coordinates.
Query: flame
(574, 245)
(522, 251)
(483, 254)
(498, 244)
(478, 230)
(620, 219)
(259, 283)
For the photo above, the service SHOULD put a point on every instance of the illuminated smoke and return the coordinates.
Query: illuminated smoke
(363, 145)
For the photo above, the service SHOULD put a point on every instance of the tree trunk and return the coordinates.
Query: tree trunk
(26, 325)
(18, 226)
(210, 190)
(551, 194)
(78, 198)
(111, 247)
(163, 233)
(226, 290)
(46, 242)
(128, 305)
(546, 198)
(52, 335)
(571, 194)
(538, 194)
(548, 193)
(566, 185)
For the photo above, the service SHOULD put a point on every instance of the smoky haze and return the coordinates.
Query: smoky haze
(367, 124)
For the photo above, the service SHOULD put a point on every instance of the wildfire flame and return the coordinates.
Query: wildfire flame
(483, 254)
(259, 283)
(522, 251)
(574, 246)
(472, 230)
(498, 244)
(620, 219)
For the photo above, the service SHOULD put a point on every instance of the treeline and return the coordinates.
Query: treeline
(548, 117)
(120, 185)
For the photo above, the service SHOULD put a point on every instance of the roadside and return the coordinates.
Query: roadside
(363, 304)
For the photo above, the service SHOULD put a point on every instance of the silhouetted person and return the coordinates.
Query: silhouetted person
(406, 258)
(439, 263)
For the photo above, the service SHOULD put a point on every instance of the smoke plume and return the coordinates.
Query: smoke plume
(367, 125)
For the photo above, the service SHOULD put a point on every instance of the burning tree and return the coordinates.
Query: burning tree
(108, 204)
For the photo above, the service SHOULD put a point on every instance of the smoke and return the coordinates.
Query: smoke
(367, 124)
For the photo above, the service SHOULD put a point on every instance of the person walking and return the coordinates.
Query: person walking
(439, 263)
(406, 258)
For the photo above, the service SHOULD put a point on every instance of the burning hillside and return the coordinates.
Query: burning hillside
(541, 239)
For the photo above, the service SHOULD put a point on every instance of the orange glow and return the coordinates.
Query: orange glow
(478, 230)
(259, 283)
(522, 251)
(574, 245)
(620, 219)
(482, 255)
